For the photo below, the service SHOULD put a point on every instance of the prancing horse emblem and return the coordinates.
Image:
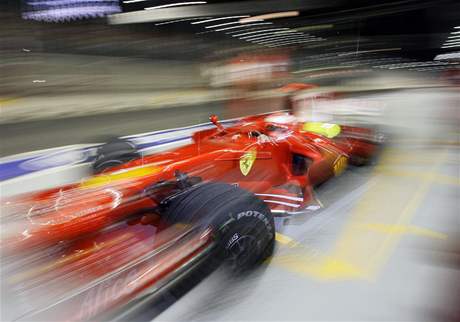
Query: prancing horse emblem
(247, 160)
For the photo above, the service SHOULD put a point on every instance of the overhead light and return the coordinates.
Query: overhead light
(368, 51)
(452, 40)
(174, 21)
(217, 19)
(412, 64)
(454, 37)
(288, 31)
(283, 44)
(270, 35)
(244, 26)
(293, 42)
(177, 4)
(278, 38)
(222, 24)
(457, 27)
(450, 46)
(257, 31)
(233, 33)
(455, 55)
(455, 32)
(273, 41)
(267, 16)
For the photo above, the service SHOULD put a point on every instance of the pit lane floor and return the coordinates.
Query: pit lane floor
(381, 250)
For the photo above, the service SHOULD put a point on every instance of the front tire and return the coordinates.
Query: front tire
(242, 224)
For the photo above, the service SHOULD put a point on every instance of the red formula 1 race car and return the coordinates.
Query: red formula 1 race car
(105, 246)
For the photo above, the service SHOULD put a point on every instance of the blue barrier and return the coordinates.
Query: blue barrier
(66, 156)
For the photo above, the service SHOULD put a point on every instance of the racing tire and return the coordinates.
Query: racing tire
(241, 223)
(114, 153)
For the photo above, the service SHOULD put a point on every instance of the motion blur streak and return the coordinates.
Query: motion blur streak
(274, 15)
(177, 4)
(230, 160)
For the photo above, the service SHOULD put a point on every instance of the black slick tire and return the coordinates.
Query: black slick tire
(242, 224)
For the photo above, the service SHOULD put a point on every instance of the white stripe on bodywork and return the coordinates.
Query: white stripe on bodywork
(283, 203)
(280, 196)
(286, 212)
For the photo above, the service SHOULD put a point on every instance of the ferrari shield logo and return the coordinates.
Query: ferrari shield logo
(247, 160)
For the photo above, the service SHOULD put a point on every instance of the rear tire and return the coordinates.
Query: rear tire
(242, 223)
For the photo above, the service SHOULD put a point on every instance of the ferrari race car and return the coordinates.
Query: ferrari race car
(104, 247)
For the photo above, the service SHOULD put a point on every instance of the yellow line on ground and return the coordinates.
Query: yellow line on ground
(323, 268)
(405, 229)
(7, 100)
(286, 240)
(435, 177)
(385, 210)
(382, 254)
(307, 261)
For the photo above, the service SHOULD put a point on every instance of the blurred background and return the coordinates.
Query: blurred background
(71, 59)
(74, 71)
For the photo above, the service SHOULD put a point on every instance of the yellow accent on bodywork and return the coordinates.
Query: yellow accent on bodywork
(327, 129)
(105, 179)
(340, 165)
